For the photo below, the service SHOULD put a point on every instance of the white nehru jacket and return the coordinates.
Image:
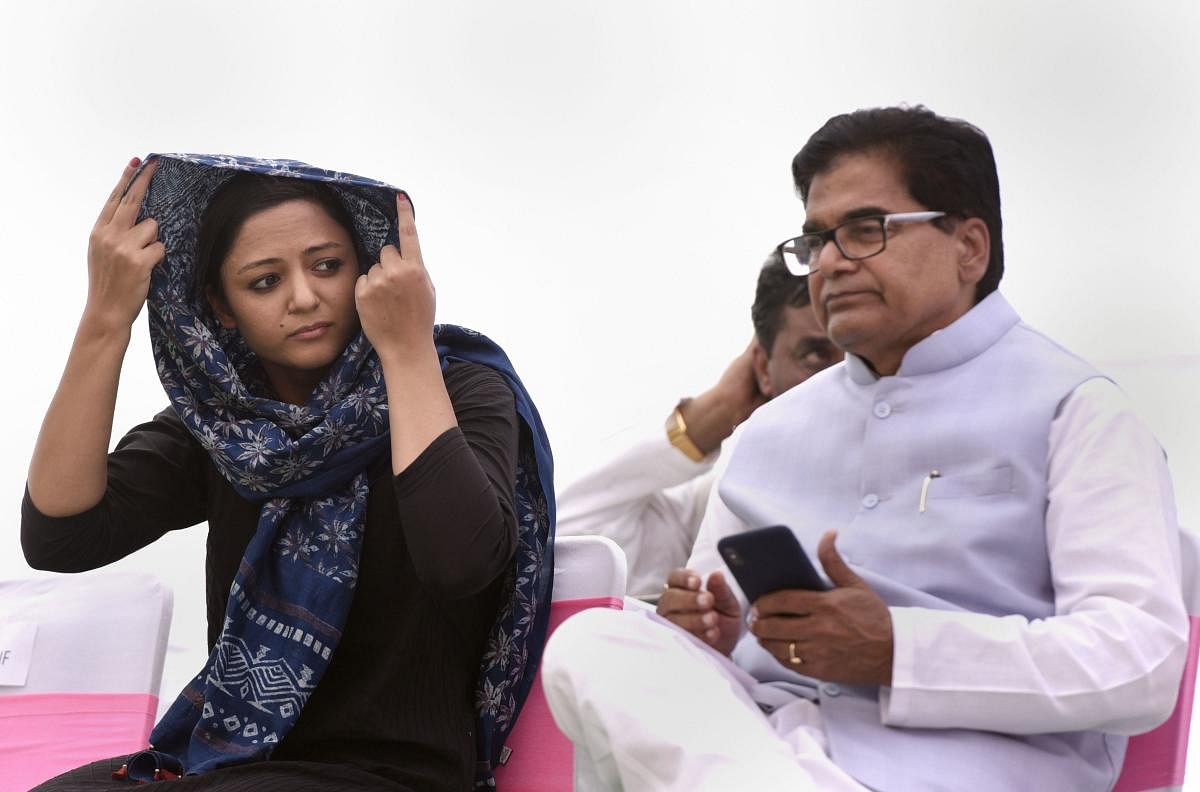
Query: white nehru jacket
(1035, 602)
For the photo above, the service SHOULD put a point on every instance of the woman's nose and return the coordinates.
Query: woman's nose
(304, 296)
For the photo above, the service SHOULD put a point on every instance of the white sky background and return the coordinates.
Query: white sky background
(597, 183)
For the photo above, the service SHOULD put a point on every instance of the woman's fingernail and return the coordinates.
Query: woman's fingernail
(133, 163)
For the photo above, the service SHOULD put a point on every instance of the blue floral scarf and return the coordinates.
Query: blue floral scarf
(306, 464)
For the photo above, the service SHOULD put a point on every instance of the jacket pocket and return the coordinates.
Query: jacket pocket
(972, 484)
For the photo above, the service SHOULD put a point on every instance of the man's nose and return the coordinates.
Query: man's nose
(831, 262)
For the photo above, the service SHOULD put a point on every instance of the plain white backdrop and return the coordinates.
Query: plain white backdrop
(597, 183)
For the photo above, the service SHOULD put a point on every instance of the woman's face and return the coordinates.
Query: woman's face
(288, 283)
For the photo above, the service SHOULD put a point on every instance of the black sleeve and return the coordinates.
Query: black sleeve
(456, 499)
(155, 484)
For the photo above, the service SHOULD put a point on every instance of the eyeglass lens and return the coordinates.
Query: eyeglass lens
(857, 239)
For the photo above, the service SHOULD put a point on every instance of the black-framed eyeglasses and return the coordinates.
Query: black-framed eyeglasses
(856, 239)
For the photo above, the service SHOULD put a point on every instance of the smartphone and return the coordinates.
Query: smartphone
(769, 559)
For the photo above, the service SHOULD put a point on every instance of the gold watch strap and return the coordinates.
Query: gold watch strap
(677, 434)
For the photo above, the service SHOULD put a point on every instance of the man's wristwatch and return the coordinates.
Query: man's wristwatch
(677, 434)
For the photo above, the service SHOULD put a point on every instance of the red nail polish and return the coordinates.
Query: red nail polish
(133, 163)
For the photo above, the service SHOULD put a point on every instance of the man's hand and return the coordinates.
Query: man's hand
(712, 416)
(714, 616)
(842, 635)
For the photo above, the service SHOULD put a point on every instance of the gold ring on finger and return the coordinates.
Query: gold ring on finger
(794, 658)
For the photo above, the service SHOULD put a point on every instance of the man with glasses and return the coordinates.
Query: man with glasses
(997, 525)
(650, 498)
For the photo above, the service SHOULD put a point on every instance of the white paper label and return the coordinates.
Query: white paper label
(16, 651)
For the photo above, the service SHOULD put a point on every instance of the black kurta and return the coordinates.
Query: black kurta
(397, 698)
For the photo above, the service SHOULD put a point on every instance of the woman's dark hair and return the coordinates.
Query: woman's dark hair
(776, 289)
(946, 164)
(240, 198)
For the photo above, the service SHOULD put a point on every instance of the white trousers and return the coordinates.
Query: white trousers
(651, 709)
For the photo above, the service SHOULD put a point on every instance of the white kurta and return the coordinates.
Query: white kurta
(650, 500)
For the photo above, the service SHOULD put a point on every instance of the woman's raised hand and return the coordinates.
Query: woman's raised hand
(396, 298)
(396, 302)
(122, 253)
(68, 472)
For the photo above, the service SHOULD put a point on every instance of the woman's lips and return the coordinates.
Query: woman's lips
(310, 332)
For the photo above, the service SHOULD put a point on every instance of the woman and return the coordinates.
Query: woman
(372, 484)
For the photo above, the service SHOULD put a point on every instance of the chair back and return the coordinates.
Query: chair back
(94, 668)
(1155, 761)
(589, 572)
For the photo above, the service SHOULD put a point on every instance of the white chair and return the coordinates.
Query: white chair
(92, 687)
(589, 572)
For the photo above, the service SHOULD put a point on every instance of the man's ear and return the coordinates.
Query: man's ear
(761, 377)
(220, 308)
(975, 248)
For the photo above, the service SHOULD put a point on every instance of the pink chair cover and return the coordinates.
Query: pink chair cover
(542, 758)
(44, 734)
(1156, 759)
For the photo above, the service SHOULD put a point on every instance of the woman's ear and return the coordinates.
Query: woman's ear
(761, 376)
(975, 246)
(220, 308)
